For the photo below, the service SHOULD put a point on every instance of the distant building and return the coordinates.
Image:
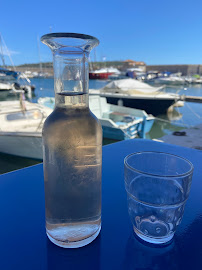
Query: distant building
(129, 62)
(134, 64)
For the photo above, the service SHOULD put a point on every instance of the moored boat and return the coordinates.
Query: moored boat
(21, 128)
(8, 75)
(103, 73)
(5, 86)
(173, 79)
(135, 94)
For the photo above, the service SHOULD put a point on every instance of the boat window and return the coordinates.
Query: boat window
(34, 114)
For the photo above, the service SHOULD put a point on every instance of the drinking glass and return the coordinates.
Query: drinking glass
(158, 186)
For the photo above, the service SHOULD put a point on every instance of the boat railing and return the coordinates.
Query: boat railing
(17, 115)
(42, 119)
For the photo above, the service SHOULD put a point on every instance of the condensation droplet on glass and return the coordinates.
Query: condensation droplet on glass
(152, 218)
(178, 221)
(170, 226)
(170, 218)
(158, 230)
(137, 219)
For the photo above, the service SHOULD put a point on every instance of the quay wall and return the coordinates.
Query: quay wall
(184, 69)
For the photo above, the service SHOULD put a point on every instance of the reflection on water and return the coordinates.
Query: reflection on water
(174, 115)
(161, 128)
(10, 163)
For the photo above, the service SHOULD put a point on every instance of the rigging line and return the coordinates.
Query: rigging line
(40, 63)
(8, 53)
(1, 52)
(168, 121)
(197, 115)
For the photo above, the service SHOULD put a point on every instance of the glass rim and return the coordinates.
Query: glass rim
(68, 35)
(158, 175)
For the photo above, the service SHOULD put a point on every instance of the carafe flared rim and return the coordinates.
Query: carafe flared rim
(71, 40)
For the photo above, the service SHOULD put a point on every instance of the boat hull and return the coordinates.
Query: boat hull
(5, 86)
(99, 76)
(20, 144)
(170, 82)
(151, 106)
(118, 134)
(134, 131)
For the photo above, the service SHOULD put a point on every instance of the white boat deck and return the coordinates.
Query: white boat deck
(14, 119)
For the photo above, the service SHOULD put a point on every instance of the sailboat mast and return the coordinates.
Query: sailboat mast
(40, 64)
(1, 52)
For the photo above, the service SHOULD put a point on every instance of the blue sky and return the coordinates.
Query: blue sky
(154, 31)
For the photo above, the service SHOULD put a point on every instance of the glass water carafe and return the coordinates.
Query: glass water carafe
(72, 146)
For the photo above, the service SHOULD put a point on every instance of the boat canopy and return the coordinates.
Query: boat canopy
(128, 85)
(8, 72)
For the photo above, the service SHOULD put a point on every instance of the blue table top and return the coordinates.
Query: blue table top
(23, 241)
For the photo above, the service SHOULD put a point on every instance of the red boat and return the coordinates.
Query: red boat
(102, 74)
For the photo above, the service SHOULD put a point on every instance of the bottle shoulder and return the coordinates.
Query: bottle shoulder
(72, 119)
(68, 115)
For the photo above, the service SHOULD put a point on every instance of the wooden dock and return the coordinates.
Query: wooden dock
(195, 99)
(190, 137)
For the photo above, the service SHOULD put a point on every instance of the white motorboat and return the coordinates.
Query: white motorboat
(174, 78)
(118, 122)
(21, 128)
(195, 79)
(6, 86)
(135, 94)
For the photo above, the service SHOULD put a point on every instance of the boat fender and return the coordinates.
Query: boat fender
(179, 133)
(17, 86)
(120, 102)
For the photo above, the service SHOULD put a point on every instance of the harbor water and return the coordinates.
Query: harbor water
(179, 118)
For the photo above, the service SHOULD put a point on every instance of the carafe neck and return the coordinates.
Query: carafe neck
(71, 77)
(71, 69)
(72, 100)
